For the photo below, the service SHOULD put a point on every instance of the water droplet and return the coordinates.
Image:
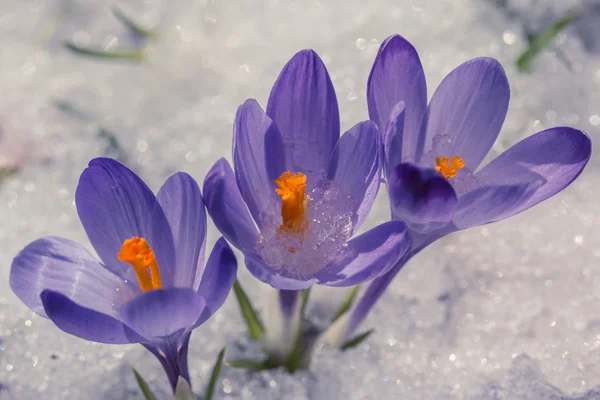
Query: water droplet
(361, 43)
(142, 146)
(509, 37)
(190, 157)
(110, 42)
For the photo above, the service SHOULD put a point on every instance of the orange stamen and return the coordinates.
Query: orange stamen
(137, 252)
(292, 189)
(448, 168)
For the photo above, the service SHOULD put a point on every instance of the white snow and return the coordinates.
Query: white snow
(506, 311)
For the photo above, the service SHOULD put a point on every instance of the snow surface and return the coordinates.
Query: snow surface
(506, 311)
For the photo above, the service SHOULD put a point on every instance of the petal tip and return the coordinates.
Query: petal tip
(102, 161)
(220, 169)
(221, 166)
(580, 138)
(182, 175)
(226, 250)
(304, 59)
(250, 102)
(310, 53)
(492, 65)
(397, 42)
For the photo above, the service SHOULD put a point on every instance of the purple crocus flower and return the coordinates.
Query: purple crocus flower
(151, 285)
(300, 192)
(433, 153)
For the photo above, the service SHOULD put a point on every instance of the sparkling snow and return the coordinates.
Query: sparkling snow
(507, 311)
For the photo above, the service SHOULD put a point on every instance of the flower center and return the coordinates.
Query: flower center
(137, 252)
(292, 190)
(313, 228)
(449, 168)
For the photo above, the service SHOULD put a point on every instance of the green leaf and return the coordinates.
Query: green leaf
(537, 43)
(296, 354)
(210, 390)
(250, 365)
(255, 327)
(347, 303)
(132, 25)
(6, 172)
(356, 341)
(113, 148)
(530, 37)
(126, 55)
(144, 386)
(304, 295)
(69, 108)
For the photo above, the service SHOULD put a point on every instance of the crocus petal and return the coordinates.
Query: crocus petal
(217, 279)
(469, 106)
(66, 267)
(421, 197)
(252, 129)
(492, 203)
(558, 155)
(392, 139)
(304, 106)
(158, 314)
(397, 75)
(114, 204)
(227, 208)
(84, 322)
(355, 167)
(182, 203)
(273, 278)
(372, 254)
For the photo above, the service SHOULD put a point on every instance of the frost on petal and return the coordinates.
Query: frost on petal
(300, 253)
(442, 146)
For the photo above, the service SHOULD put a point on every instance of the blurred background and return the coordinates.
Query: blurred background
(505, 311)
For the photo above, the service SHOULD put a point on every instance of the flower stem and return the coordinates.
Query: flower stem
(287, 301)
(173, 356)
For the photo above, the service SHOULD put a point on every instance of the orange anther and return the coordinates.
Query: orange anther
(292, 189)
(137, 252)
(448, 168)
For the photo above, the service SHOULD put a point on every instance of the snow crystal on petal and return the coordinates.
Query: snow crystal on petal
(465, 180)
(329, 216)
